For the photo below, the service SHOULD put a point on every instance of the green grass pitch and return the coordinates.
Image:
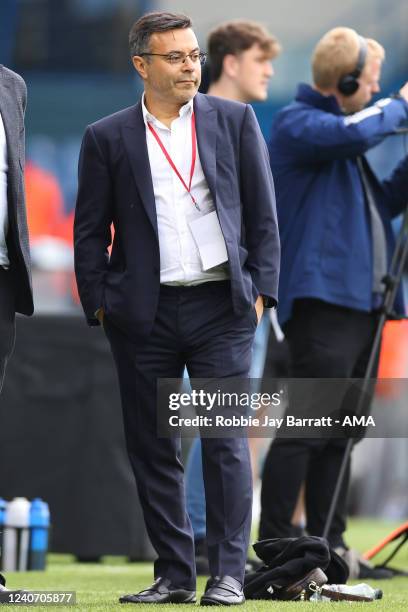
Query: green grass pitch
(98, 586)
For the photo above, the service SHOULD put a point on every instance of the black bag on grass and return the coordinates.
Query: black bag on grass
(291, 565)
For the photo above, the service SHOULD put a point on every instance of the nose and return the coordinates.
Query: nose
(376, 88)
(188, 64)
(269, 71)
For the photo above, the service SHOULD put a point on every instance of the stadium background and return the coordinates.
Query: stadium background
(73, 56)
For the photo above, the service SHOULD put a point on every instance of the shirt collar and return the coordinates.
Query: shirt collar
(186, 109)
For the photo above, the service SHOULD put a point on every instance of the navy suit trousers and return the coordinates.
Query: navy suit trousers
(197, 328)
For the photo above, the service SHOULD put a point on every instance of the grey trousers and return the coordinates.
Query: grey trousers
(7, 320)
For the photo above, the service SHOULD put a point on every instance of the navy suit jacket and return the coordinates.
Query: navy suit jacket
(115, 185)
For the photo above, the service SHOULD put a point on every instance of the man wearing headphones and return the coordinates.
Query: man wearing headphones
(335, 224)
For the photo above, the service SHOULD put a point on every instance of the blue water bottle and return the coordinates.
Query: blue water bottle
(39, 526)
(3, 505)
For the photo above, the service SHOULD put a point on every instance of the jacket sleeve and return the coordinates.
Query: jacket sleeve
(395, 189)
(259, 208)
(315, 135)
(93, 218)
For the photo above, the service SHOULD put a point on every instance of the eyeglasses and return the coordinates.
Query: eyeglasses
(177, 57)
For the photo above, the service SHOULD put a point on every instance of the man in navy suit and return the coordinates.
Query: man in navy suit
(185, 180)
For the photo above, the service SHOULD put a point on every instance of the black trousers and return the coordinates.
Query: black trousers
(325, 341)
(7, 321)
(194, 327)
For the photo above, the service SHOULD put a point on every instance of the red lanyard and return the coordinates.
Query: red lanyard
(193, 156)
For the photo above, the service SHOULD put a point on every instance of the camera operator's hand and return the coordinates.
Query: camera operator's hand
(404, 92)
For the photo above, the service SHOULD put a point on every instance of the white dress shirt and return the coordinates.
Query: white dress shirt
(180, 262)
(4, 260)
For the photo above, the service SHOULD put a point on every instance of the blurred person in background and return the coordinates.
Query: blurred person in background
(161, 306)
(15, 276)
(51, 240)
(44, 203)
(337, 241)
(240, 61)
(240, 54)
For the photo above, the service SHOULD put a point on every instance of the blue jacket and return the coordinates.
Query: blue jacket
(323, 216)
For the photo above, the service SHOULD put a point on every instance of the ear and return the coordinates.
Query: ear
(139, 64)
(230, 65)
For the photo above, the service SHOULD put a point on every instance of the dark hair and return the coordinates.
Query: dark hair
(143, 28)
(234, 37)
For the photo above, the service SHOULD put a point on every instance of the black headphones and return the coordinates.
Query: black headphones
(348, 84)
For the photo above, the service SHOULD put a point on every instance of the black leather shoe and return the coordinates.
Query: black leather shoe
(225, 591)
(162, 592)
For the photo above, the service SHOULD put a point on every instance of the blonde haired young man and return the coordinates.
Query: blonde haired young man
(337, 240)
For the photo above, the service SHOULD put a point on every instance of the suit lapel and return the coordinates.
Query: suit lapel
(206, 125)
(134, 139)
